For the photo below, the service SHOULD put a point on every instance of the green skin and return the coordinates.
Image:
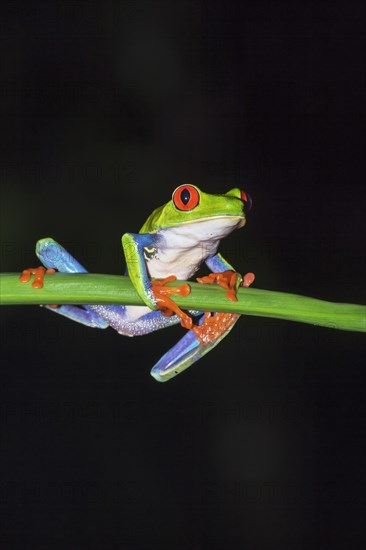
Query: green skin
(221, 208)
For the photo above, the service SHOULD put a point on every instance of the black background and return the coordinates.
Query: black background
(105, 108)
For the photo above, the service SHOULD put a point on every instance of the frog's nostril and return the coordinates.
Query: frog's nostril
(247, 199)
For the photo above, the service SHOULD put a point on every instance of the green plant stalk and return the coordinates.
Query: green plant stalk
(89, 288)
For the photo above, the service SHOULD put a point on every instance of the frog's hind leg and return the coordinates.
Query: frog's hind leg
(129, 321)
(195, 344)
(181, 356)
(53, 255)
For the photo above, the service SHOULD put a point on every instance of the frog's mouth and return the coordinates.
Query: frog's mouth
(232, 220)
(212, 228)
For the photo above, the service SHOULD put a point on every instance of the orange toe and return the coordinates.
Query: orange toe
(38, 272)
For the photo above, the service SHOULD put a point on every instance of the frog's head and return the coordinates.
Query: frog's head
(190, 205)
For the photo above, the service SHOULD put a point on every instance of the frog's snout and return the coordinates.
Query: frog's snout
(243, 196)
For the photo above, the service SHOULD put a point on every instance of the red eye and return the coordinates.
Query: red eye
(186, 197)
(247, 199)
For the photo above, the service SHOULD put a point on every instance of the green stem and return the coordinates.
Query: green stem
(88, 288)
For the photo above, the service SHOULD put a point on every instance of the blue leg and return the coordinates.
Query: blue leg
(217, 263)
(134, 320)
(187, 351)
(178, 358)
(82, 315)
(54, 255)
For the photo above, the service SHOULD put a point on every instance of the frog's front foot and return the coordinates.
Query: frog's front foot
(165, 304)
(39, 273)
(248, 279)
(229, 280)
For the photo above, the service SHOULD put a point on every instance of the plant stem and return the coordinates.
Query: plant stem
(88, 288)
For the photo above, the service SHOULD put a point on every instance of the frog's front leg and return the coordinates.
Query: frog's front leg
(225, 275)
(139, 249)
(215, 326)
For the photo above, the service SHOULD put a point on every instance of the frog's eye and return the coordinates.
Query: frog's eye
(186, 197)
(247, 200)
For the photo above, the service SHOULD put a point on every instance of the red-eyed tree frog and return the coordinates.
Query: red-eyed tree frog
(174, 241)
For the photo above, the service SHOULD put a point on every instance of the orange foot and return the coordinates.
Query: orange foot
(39, 273)
(166, 304)
(248, 279)
(229, 281)
(214, 325)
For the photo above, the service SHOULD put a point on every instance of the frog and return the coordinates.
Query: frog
(176, 239)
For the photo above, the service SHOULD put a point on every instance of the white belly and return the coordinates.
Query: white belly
(182, 263)
(181, 250)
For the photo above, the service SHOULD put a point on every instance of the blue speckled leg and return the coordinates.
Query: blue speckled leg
(129, 321)
(54, 255)
(134, 320)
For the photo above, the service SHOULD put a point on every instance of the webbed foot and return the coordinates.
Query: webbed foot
(166, 304)
(214, 326)
(229, 280)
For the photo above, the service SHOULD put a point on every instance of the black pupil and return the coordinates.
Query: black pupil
(185, 196)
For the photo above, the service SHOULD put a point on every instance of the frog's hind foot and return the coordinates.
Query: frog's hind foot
(209, 332)
(214, 326)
